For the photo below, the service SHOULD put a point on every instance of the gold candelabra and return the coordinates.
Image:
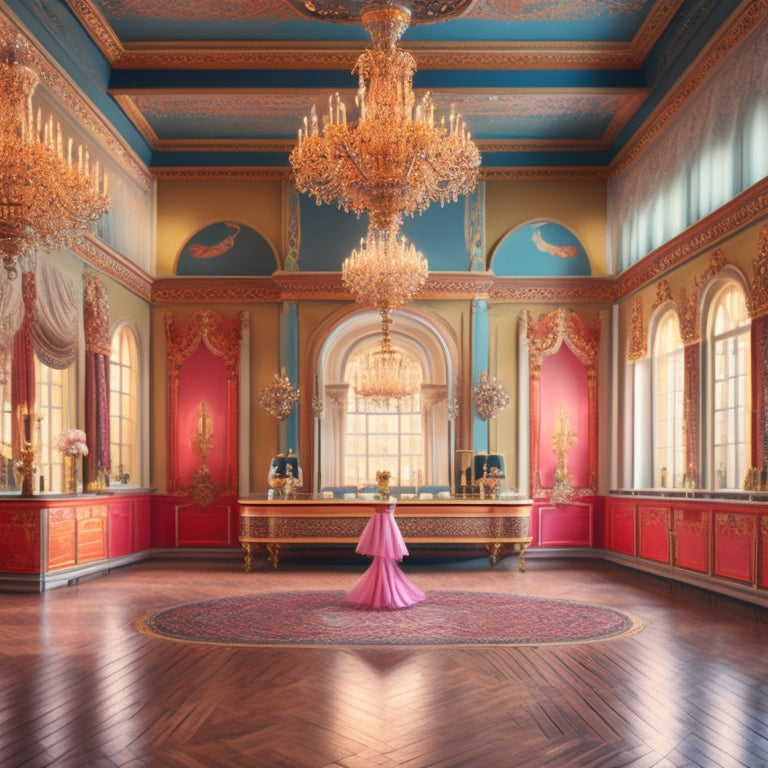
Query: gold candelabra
(50, 191)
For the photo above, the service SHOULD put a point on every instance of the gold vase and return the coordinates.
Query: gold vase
(70, 473)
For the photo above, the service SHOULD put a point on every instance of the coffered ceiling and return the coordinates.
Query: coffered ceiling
(551, 86)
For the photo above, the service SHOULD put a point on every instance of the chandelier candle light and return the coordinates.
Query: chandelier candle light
(50, 192)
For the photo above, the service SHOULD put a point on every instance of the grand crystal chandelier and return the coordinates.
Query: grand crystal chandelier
(50, 192)
(395, 159)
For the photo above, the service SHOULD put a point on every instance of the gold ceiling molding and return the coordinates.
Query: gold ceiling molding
(221, 290)
(297, 55)
(111, 263)
(219, 173)
(279, 173)
(528, 173)
(752, 15)
(581, 290)
(745, 209)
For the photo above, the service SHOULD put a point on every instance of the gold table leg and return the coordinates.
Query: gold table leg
(274, 554)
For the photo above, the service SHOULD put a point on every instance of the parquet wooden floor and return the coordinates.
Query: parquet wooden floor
(80, 687)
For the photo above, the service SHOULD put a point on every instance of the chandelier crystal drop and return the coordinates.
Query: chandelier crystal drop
(50, 191)
(395, 159)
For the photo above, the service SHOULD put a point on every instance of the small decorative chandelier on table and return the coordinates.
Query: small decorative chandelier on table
(50, 193)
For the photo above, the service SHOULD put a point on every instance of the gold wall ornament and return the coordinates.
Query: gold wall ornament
(490, 396)
(562, 441)
(278, 398)
(395, 159)
(50, 190)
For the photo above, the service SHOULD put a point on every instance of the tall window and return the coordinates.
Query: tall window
(729, 382)
(668, 389)
(384, 436)
(123, 405)
(52, 408)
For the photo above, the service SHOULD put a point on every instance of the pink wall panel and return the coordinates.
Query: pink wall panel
(203, 379)
(565, 525)
(564, 382)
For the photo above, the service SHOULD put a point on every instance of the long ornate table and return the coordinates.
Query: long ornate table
(500, 526)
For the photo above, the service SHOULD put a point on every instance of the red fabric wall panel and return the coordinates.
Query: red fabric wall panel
(653, 532)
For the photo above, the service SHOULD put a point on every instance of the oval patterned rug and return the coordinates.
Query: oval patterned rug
(444, 618)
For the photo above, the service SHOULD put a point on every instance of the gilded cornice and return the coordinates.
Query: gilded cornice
(750, 206)
(279, 173)
(202, 290)
(753, 14)
(531, 290)
(114, 265)
(523, 173)
(195, 173)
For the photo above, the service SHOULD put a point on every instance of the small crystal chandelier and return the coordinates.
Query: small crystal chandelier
(49, 193)
(490, 396)
(386, 375)
(278, 398)
(395, 159)
(386, 272)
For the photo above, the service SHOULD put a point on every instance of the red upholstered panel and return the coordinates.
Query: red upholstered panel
(566, 525)
(653, 532)
(120, 534)
(692, 539)
(620, 528)
(735, 546)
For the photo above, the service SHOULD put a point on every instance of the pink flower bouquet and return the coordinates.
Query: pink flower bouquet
(72, 443)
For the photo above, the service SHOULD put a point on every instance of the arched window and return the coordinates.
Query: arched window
(729, 390)
(53, 409)
(123, 405)
(383, 434)
(668, 388)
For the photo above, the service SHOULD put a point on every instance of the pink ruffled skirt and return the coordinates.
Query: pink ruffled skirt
(384, 585)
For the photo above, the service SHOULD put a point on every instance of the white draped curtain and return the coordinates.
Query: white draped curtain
(711, 151)
(56, 324)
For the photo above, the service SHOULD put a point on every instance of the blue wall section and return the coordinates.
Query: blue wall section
(226, 248)
(540, 248)
(289, 359)
(329, 235)
(479, 364)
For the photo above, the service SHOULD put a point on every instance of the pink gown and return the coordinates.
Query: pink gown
(384, 585)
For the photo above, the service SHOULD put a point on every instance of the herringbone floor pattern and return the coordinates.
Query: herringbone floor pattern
(80, 687)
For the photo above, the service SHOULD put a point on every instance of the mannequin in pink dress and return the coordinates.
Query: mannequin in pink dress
(384, 585)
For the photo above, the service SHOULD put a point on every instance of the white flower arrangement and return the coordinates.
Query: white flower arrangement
(72, 442)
